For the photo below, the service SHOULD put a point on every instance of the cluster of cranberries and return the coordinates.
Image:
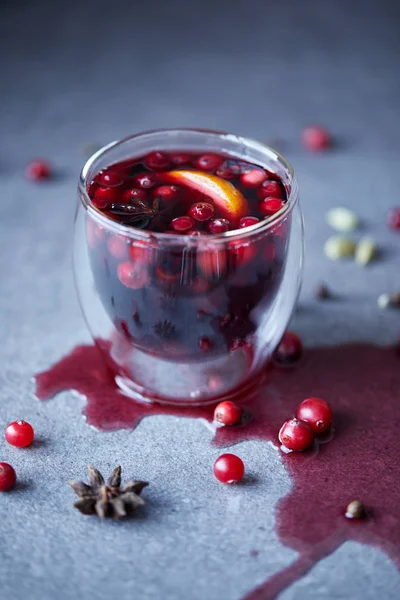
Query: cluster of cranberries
(151, 192)
(313, 417)
(19, 434)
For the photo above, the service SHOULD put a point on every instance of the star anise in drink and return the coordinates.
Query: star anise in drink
(137, 212)
(108, 500)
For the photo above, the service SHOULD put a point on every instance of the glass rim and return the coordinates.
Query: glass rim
(172, 238)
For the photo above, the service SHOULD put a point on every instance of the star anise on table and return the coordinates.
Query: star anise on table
(108, 500)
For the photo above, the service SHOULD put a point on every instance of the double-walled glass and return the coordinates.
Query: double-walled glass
(183, 319)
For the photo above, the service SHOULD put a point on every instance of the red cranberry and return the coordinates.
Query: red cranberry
(289, 350)
(316, 138)
(166, 192)
(270, 206)
(141, 254)
(205, 344)
(212, 262)
(218, 226)
(229, 468)
(225, 172)
(8, 477)
(248, 222)
(253, 178)
(225, 319)
(296, 435)
(165, 276)
(202, 211)
(227, 413)
(94, 234)
(237, 343)
(158, 161)
(38, 170)
(242, 253)
(180, 158)
(134, 194)
(394, 218)
(270, 188)
(199, 285)
(104, 196)
(269, 252)
(208, 162)
(110, 179)
(132, 275)
(20, 434)
(317, 413)
(145, 180)
(117, 247)
(182, 224)
(215, 383)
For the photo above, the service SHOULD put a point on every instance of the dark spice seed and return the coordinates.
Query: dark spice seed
(322, 292)
(355, 510)
(395, 299)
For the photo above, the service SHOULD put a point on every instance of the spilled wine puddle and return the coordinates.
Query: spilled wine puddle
(361, 382)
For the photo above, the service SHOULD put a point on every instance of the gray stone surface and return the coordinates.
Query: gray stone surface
(83, 71)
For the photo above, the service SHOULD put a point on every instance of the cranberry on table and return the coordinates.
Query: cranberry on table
(229, 468)
(38, 170)
(157, 161)
(218, 226)
(202, 211)
(270, 206)
(208, 162)
(289, 350)
(394, 218)
(316, 138)
(182, 224)
(296, 435)
(253, 178)
(8, 477)
(270, 188)
(316, 412)
(227, 413)
(145, 180)
(19, 433)
(248, 222)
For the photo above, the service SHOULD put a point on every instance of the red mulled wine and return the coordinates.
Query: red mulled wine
(202, 298)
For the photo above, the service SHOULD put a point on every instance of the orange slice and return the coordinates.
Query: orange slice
(225, 196)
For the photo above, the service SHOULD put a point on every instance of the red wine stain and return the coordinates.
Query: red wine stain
(362, 384)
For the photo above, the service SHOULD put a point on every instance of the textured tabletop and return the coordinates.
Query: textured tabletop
(82, 72)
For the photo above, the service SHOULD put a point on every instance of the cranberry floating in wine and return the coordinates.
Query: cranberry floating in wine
(188, 252)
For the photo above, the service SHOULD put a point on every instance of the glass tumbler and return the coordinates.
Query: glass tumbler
(184, 319)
